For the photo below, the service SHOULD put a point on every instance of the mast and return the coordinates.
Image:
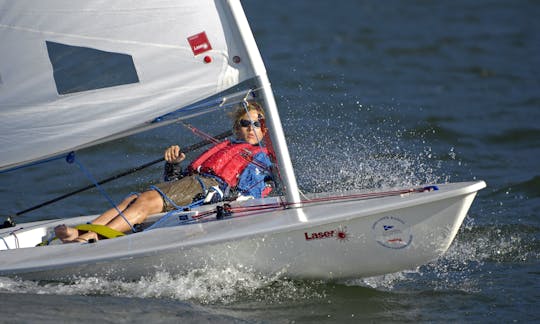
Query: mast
(274, 123)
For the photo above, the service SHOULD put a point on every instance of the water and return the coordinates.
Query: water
(371, 94)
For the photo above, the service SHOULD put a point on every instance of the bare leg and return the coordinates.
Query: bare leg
(107, 216)
(70, 234)
(135, 209)
(149, 202)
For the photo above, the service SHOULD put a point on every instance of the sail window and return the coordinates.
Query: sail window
(77, 69)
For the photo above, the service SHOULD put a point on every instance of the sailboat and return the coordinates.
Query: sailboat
(77, 74)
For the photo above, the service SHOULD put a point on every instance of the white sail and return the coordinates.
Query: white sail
(75, 72)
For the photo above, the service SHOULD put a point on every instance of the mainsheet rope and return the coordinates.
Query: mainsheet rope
(200, 133)
(10, 222)
(72, 159)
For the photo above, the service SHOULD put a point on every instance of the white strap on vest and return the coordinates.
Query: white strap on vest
(212, 192)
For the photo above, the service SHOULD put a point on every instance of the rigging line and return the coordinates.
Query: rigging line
(264, 208)
(245, 105)
(371, 195)
(238, 97)
(187, 149)
(34, 163)
(200, 133)
(360, 196)
(71, 159)
(266, 138)
(214, 140)
(302, 194)
(221, 103)
(259, 140)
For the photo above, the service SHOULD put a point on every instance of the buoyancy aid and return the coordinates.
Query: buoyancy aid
(226, 160)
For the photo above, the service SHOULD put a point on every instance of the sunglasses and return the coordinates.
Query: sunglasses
(246, 123)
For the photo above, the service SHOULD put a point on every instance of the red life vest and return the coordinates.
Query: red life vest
(226, 160)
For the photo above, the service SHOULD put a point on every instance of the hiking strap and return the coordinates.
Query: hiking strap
(101, 230)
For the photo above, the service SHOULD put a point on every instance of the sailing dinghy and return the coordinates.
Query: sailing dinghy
(77, 74)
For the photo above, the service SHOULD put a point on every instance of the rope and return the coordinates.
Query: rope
(72, 159)
(48, 202)
(176, 207)
(214, 140)
(200, 133)
(363, 196)
(34, 163)
(268, 142)
(245, 105)
(263, 208)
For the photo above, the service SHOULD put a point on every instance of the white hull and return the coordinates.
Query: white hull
(325, 240)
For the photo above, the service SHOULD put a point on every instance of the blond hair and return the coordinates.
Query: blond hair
(244, 109)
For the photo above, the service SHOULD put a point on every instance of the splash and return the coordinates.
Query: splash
(346, 156)
(202, 286)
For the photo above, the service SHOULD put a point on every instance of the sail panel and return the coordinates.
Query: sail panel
(108, 69)
(174, 53)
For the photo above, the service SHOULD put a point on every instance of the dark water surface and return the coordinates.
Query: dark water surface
(372, 94)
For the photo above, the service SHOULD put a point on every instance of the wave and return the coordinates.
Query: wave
(434, 131)
(529, 188)
(531, 102)
(415, 51)
(517, 138)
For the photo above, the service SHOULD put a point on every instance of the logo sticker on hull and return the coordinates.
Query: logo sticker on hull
(392, 232)
(339, 234)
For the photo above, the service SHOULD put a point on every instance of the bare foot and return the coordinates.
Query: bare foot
(87, 237)
(66, 234)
